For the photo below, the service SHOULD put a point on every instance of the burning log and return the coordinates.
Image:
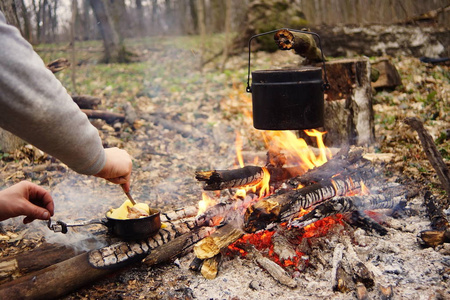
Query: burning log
(432, 153)
(303, 44)
(248, 175)
(340, 205)
(284, 206)
(219, 180)
(345, 163)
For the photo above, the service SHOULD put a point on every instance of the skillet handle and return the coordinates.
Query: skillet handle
(62, 227)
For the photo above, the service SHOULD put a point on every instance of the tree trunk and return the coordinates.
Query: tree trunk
(349, 116)
(114, 50)
(8, 7)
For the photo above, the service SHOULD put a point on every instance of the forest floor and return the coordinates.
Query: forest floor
(207, 106)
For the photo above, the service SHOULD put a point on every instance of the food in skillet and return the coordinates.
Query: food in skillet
(129, 211)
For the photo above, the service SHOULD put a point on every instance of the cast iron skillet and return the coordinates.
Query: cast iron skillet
(128, 229)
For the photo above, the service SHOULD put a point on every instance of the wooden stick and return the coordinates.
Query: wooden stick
(109, 117)
(432, 153)
(86, 102)
(303, 44)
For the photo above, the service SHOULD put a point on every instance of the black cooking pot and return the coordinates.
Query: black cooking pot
(287, 99)
(127, 229)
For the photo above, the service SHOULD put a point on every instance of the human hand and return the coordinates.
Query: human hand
(28, 199)
(117, 168)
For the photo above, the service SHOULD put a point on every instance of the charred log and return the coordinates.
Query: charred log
(285, 206)
(176, 247)
(340, 205)
(249, 175)
(219, 180)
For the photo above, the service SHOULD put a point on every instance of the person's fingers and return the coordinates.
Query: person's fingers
(33, 212)
(41, 197)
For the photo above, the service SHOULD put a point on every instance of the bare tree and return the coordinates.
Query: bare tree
(114, 49)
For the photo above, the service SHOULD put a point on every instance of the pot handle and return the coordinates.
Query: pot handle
(326, 85)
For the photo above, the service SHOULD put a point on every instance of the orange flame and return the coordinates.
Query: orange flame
(205, 203)
(239, 143)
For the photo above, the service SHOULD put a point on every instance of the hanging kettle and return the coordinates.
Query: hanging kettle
(287, 99)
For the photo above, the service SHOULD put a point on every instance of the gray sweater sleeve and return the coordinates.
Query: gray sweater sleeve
(36, 107)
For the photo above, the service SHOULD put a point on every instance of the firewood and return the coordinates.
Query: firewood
(345, 162)
(432, 153)
(109, 117)
(219, 240)
(176, 247)
(36, 259)
(248, 175)
(361, 220)
(210, 266)
(86, 102)
(339, 205)
(196, 264)
(124, 253)
(54, 281)
(58, 65)
(282, 207)
(302, 43)
(275, 270)
(180, 213)
(219, 180)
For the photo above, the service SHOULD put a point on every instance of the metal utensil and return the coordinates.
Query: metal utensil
(128, 194)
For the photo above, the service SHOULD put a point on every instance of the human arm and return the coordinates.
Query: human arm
(27, 199)
(36, 107)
